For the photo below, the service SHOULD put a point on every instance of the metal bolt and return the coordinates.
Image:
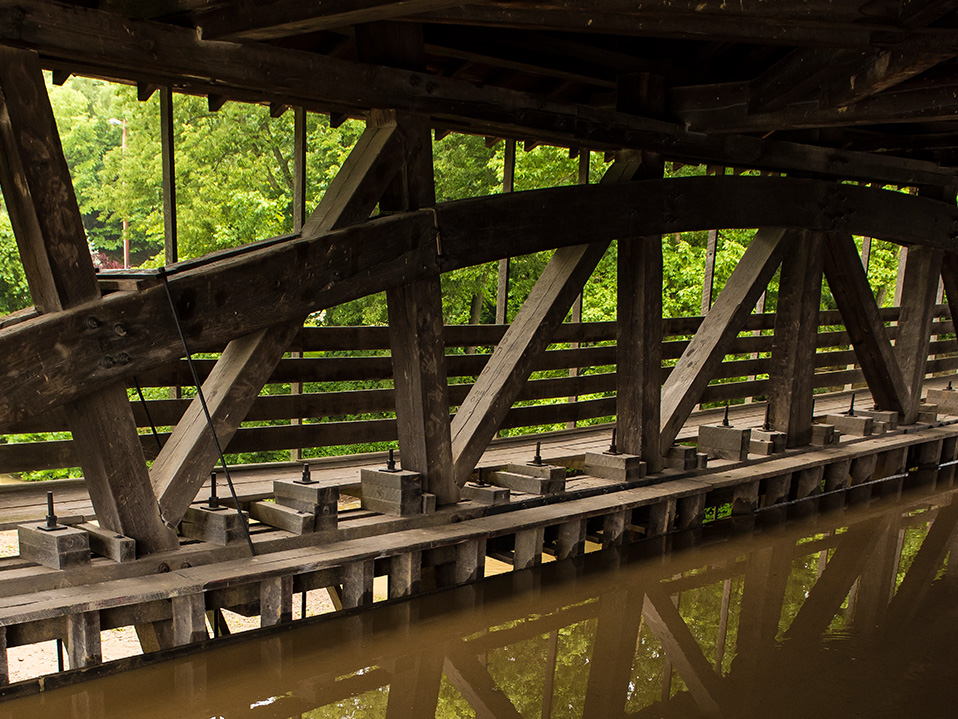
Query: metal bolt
(92, 322)
(613, 449)
(537, 459)
(391, 463)
(725, 422)
(107, 362)
(306, 478)
(119, 330)
(851, 407)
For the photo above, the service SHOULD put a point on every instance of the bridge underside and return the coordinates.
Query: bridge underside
(840, 117)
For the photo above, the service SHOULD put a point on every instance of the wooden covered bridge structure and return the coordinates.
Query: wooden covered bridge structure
(834, 120)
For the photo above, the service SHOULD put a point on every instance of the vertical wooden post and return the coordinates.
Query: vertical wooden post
(711, 247)
(528, 550)
(170, 245)
(49, 231)
(299, 168)
(405, 574)
(83, 639)
(358, 584)
(921, 277)
(415, 310)
(276, 601)
(575, 315)
(189, 619)
(4, 665)
(470, 561)
(792, 371)
(299, 218)
(639, 301)
(502, 288)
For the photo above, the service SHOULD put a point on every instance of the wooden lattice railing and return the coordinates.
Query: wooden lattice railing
(354, 358)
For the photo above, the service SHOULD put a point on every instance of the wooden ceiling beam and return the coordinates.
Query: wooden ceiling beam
(166, 55)
(242, 294)
(272, 19)
(713, 23)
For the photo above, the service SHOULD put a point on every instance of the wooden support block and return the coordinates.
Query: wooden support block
(59, 549)
(287, 518)
(305, 497)
(224, 526)
(889, 418)
(470, 561)
(405, 574)
(945, 399)
(571, 540)
(761, 447)
(357, 581)
(428, 503)
(927, 413)
(862, 470)
(857, 426)
(701, 460)
(398, 493)
(551, 472)
(189, 619)
(879, 428)
(111, 545)
(83, 639)
(276, 601)
(681, 457)
(690, 511)
(525, 483)
(618, 467)
(823, 434)
(485, 494)
(614, 527)
(724, 442)
(776, 439)
(528, 550)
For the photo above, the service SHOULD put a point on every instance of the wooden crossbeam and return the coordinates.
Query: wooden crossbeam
(257, 20)
(853, 295)
(485, 407)
(792, 371)
(691, 374)
(49, 230)
(239, 375)
(168, 55)
(259, 288)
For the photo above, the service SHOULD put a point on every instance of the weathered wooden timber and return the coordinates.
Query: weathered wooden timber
(604, 511)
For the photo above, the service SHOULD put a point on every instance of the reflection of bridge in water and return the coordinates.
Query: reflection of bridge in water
(731, 628)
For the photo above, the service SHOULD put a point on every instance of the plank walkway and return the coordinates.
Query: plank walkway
(26, 502)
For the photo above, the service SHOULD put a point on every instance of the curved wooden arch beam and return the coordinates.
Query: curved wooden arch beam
(236, 296)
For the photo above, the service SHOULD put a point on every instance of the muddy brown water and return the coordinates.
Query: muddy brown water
(845, 615)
